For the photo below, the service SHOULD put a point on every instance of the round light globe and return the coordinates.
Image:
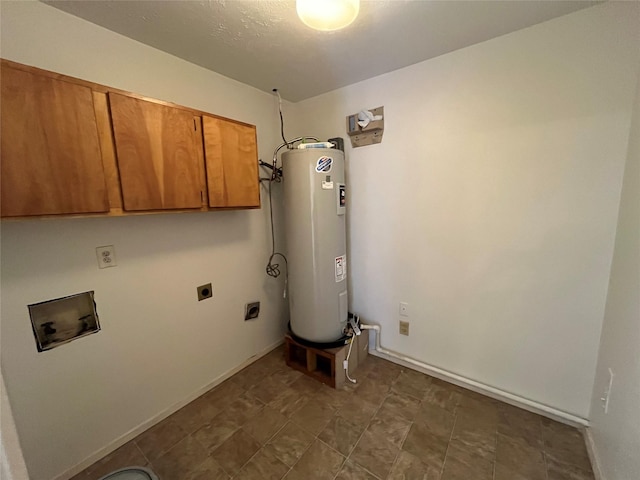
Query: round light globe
(327, 15)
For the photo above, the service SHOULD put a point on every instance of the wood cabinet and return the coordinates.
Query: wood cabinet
(51, 158)
(232, 163)
(75, 147)
(159, 152)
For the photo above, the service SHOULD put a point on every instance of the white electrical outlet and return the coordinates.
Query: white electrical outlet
(404, 309)
(106, 256)
(607, 393)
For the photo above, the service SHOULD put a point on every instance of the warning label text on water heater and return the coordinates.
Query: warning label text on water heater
(341, 268)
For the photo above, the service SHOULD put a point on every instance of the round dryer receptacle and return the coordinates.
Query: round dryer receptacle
(251, 310)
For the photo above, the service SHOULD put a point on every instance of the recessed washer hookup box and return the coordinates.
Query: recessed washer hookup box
(61, 320)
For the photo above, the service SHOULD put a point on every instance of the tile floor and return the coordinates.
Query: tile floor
(269, 422)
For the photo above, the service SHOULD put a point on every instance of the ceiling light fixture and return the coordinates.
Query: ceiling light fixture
(327, 15)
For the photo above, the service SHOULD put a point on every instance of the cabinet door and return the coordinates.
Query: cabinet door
(51, 160)
(232, 163)
(158, 154)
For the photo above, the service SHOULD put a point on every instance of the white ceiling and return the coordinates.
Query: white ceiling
(264, 44)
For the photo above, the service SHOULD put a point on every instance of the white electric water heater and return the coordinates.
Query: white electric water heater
(315, 229)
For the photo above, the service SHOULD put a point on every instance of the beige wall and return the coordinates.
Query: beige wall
(158, 344)
(490, 206)
(616, 435)
(12, 466)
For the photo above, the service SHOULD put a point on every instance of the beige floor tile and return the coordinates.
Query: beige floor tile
(358, 411)
(160, 438)
(273, 361)
(382, 370)
(181, 460)
(274, 366)
(475, 435)
(372, 390)
(289, 401)
(565, 444)
(520, 458)
(364, 368)
(224, 394)
(207, 470)
(375, 454)
(462, 464)
(520, 424)
(415, 376)
(235, 451)
(353, 471)
(502, 472)
(456, 470)
(319, 462)
(306, 386)
(243, 409)
(313, 417)
(295, 475)
(290, 443)
(427, 446)
(265, 424)
(435, 419)
(390, 426)
(563, 471)
(410, 467)
(483, 408)
(441, 394)
(287, 376)
(196, 414)
(213, 434)
(411, 383)
(263, 466)
(402, 406)
(250, 376)
(341, 435)
(417, 427)
(335, 398)
(349, 388)
(266, 390)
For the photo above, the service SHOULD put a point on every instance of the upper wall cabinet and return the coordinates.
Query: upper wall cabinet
(51, 158)
(159, 152)
(75, 147)
(232, 163)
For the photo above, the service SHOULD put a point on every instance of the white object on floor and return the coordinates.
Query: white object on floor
(131, 473)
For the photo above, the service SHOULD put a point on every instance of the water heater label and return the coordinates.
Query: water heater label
(324, 164)
(341, 268)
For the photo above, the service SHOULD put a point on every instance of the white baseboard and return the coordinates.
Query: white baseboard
(489, 391)
(134, 432)
(593, 454)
